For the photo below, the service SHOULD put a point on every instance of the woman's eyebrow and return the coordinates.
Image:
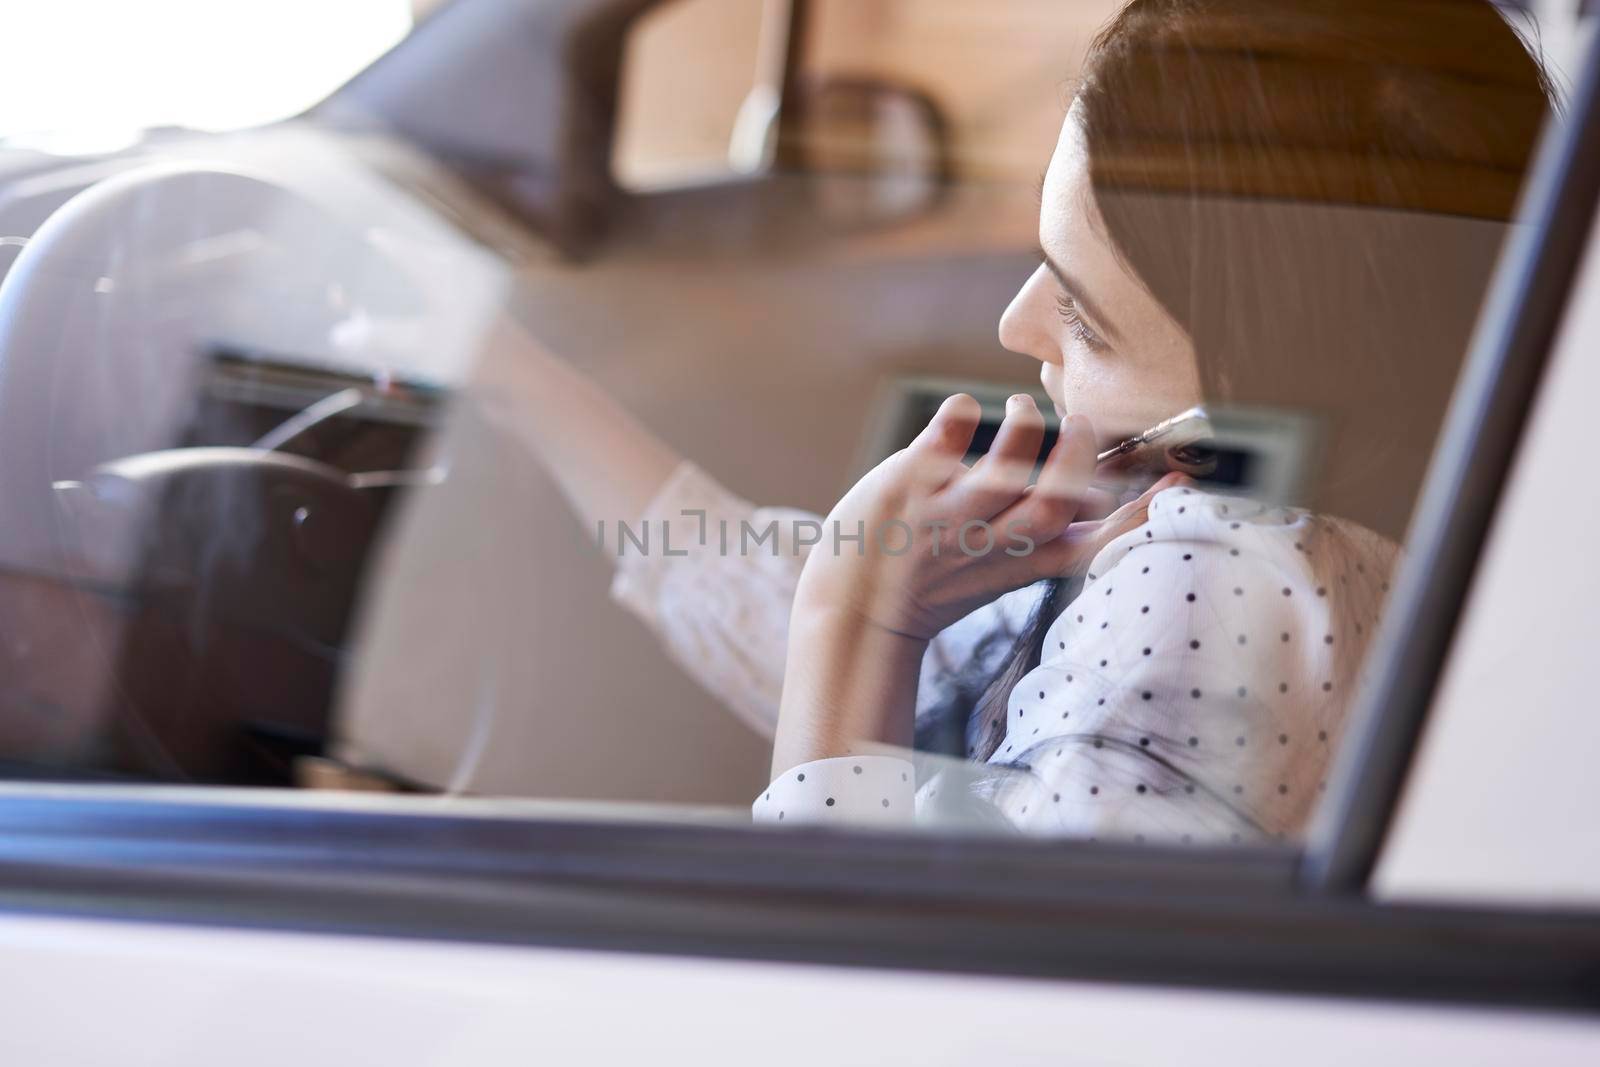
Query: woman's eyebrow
(1076, 291)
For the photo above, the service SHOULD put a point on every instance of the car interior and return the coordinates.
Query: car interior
(257, 533)
(299, 634)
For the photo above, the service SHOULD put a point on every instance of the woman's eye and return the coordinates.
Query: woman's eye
(1081, 331)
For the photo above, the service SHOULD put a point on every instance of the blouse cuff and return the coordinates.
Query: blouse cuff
(678, 516)
(853, 790)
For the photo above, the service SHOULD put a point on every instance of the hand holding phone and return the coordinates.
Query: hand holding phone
(1180, 444)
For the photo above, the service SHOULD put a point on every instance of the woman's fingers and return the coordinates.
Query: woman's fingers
(996, 481)
(1074, 549)
(1062, 487)
(1070, 466)
(935, 456)
(1134, 512)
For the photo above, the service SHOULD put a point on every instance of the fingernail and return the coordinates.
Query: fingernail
(1017, 400)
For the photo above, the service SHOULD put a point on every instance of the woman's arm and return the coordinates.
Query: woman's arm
(722, 615)
(849, 686)
(607, 464)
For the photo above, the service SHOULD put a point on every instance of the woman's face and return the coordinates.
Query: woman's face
(1109, 349)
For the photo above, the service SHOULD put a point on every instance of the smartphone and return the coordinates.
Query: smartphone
(1181, 443)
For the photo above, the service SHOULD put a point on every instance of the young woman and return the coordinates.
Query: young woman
(1282, 203)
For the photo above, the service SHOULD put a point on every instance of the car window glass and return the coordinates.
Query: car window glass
(599, 468)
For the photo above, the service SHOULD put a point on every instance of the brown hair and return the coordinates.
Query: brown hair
(1316, 190)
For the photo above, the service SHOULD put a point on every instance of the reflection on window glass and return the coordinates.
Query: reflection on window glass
(1019, 439)
(94, 72)
(677, 122)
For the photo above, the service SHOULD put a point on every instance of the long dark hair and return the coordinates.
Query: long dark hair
(1316, 191)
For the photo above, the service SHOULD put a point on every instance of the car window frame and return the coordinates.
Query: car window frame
(1516, 333)
(1268, 917)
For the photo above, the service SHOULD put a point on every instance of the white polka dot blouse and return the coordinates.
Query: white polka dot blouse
(1193, 689)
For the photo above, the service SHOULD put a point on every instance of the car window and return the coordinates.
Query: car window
(96, 74)
(935, 417)
(680, 123)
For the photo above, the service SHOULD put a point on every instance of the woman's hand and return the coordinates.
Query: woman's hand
(938, 540)
(942, 539)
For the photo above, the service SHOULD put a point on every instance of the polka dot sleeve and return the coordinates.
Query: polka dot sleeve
(722, 614)
(858, 790)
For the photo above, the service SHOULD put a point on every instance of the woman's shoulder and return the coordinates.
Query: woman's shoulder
(1202, 674)
(1283, 592)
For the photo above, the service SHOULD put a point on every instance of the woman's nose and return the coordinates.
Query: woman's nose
(1025, 328)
